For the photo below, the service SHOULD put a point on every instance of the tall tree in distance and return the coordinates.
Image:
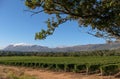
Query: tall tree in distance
(103, 16)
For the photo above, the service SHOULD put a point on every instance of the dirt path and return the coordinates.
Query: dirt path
(44, 74)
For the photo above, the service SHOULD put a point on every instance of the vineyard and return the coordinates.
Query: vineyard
(106, 65)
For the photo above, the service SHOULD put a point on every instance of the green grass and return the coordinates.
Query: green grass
(63, 60)
(72, 64)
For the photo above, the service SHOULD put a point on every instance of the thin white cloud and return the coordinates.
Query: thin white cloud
(22, 44)
(1, 47)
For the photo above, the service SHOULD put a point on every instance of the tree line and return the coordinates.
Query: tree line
(63, 54)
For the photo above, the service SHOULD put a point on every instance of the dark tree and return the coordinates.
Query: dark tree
(103, 16)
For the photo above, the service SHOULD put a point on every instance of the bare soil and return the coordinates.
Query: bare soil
(46, 74)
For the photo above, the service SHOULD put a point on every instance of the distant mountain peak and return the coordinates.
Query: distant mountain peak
(21, 44)
(37, 48)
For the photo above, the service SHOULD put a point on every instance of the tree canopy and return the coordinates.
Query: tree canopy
(103, 16)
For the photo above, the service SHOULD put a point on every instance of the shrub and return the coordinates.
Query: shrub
(80, 67)
(69, 67)
(60, 67)
(93, 68)
(45, 65)
(52, 66)
(109, 69)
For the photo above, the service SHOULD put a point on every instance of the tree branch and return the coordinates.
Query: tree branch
(34, 12)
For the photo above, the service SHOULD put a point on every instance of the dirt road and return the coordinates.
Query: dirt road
(45, 74)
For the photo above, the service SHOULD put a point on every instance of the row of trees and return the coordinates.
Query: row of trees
(60, 54)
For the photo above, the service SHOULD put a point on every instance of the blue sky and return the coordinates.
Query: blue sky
(18, 26)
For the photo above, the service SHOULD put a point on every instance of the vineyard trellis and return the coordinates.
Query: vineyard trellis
(106, 65)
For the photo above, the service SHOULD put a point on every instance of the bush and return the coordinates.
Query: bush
(69, 67)
(52, 66)
(60, 67)
(45, 65)
(37, 64)
(109, 69)
(80, 68)
(93, 68)
(40, 65)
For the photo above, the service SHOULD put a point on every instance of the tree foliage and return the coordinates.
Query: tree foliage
(63, 54)
(103, 16)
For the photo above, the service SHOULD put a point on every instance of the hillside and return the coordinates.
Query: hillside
(37, 48)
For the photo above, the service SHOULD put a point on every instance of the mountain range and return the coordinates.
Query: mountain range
(38, 48)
